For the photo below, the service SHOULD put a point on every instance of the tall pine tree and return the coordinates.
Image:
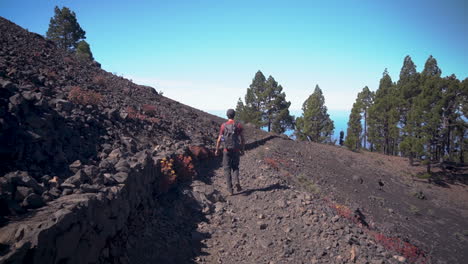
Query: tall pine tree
(353, 133)
(408, 87)
(266, 105)
(383, 117)
(428, 109)
(365, 99)
(251, 112)
(315, 123)
(64, 29)
(276, 112)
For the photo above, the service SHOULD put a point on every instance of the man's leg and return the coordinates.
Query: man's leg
(227, 170)
(235, 169)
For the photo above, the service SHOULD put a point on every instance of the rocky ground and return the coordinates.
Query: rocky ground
(282, 216)
(94, 168)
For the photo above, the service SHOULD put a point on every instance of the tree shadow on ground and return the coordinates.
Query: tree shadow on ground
(272, 187)
(447, 178)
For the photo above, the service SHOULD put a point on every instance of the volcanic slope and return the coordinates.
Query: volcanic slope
(79, 150)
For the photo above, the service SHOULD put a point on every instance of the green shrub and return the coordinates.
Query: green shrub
(308, 184)
(424, 175)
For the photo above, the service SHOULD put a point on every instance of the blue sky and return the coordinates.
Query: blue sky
(205, 53)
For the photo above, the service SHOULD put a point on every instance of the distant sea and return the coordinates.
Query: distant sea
(339, 117)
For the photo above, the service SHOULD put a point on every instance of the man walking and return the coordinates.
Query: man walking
(231, 133)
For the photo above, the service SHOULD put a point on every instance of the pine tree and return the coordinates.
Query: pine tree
(83, 51)
(271, 87)
(431, 69)
(254, 102)
(366, 99)
(315, 123)
(266, 105)
(240, 108)
(282, 120)
(408, 87)
(383, 117)
(428, 109)
(353, 138)
(462, 130)
(453, 125)
(276, 112)
(464, 97)
(64, 29)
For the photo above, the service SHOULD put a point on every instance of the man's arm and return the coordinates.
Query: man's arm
(217, 145)
(242, 142)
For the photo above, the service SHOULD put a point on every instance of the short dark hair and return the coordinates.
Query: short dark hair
(231, 113)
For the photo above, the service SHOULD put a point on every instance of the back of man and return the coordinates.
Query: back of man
(231, 134)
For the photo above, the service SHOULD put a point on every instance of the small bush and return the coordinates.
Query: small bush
(419, 195)
(414, 210)
(459, 236)
(424, 176)
(83, 97)
(99, 80)
(134, 114)
(168, 175)
(308, 184)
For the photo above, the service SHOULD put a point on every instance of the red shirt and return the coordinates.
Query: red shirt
(239, 129)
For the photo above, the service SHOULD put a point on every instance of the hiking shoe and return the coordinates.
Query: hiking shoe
(238, 187)
(230, 191)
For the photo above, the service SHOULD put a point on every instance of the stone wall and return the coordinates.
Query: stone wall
(76, 228)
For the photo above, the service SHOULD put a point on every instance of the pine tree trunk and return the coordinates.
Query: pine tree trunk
(448, 146)
(428, 168)
(462, 157)
(411, 161)
(365, 129)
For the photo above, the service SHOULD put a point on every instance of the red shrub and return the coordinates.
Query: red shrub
(83, 97)
(199, 153)
(185, 168)
(149, 109)
(272, 163)
(344, 211)
(134, 114)
(68, 60)
(409, 251)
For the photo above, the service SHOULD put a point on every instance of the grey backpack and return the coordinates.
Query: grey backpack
(231, 136)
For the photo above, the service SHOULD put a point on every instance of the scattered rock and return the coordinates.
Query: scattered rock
(120, 177)
(33, 201)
